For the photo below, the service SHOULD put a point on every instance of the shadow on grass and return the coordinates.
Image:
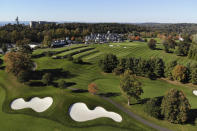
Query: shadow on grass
(55, 73)
(110, 94)
(192, 116)
(35, 83)
(2, 68)
(79, 91)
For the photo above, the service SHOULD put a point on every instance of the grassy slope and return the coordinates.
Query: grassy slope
(85, 74)
(63, 98)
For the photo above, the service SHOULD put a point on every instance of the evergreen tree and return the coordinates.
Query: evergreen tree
(108, 63)
(159, 67)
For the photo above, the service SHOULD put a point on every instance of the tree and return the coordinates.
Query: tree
(108, 63)
(152, 44)
(62, 84)
(47, 41)
(166, 46)
(194, 76)
(130, 85)
(159, 67)
(47, 78)
(153, 107)
(17, 62)
(182, 49)
(175, 106)
(169, 68)
(23, 46)
(180, 73)
(4, 48)
(92, 88)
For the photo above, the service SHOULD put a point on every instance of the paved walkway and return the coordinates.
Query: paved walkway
(138, 118)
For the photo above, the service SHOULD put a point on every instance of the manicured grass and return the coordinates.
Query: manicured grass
(40, 51)
(75, 51)
(63, 98)
(57, 117)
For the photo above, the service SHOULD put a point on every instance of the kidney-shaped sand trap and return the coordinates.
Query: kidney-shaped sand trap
(80, 113)
(195, 92)
(37, 104)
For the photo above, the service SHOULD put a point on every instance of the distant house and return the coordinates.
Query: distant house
(103, 38)
(58, 43)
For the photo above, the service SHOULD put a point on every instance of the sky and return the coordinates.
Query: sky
(123, 11)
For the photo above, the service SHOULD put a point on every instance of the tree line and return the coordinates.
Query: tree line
(173, 106)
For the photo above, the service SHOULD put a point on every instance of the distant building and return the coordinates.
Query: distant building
(32, 24)
(104, 38)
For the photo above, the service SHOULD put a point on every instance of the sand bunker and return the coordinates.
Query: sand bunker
(111, 45)
(37, 104)
(80, 113)
(125, 47)
(195, 92)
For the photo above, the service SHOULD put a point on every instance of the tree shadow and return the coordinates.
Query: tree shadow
(2, 68)
(110, 94)
(38, 55)
(36, 83)
(55, 73)
(192, 116)
(79, 91)
(158, 49)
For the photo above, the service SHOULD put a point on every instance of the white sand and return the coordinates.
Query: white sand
(195, 92)
(37, 104)
(80, 113)
(111, 45)
(125, 47)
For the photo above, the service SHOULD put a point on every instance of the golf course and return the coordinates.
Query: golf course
(57, 117)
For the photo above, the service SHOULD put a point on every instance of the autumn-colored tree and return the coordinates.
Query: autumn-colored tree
(73, 38)
(137, 38)
(180, 73)
(130, 85)
(92, 88)
(175, 106)
(17, 62)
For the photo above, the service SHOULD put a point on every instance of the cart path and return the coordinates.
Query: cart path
(136, 117)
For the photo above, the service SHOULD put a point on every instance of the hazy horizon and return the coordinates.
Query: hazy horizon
(100, 11)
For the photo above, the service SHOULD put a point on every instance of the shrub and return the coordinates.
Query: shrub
(62, 84)
(70, 58)
(78, 60)
(152, 44)
(92, 88)
(175, 107)
(47, 78)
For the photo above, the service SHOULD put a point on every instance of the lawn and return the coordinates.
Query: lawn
(79, 76)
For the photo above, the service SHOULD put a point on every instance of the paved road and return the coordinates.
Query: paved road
(138, 118)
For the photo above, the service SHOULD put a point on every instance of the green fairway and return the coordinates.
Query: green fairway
(79, 76)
